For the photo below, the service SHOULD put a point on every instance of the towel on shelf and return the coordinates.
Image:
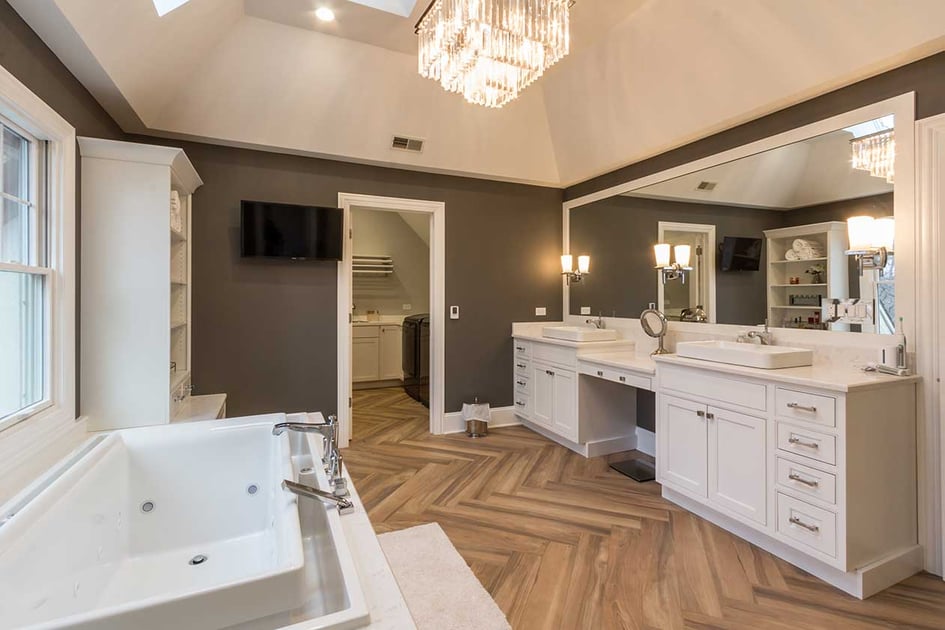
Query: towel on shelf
(806, 249)
(791, 255)
(177, 222)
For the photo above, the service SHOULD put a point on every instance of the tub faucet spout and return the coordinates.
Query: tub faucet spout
(344, 505)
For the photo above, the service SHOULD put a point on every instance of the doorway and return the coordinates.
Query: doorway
(390, 310)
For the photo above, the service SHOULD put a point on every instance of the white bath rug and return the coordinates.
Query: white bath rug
(441, 591)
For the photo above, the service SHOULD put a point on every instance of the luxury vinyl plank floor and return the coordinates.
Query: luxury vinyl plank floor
(563, 542)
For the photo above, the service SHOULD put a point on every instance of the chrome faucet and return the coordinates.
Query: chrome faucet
(765, 338)
(331, 459)
(599, 323)
(344, 505)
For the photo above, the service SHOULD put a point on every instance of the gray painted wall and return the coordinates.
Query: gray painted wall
(265, 332)
(619, 234)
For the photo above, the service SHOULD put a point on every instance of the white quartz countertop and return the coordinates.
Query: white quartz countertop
(386, 320)
(589, 346)
(627, 360)
(828, 377)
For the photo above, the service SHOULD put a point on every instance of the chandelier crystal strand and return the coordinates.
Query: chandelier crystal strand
(490, 50)
(876, 153)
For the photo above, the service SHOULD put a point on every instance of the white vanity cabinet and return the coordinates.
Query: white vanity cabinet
(823, 477)
(547, 382)
(376, 352)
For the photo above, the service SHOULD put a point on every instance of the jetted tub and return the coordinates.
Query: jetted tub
(177, 526)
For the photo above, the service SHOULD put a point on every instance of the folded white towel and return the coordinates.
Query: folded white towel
(802, 243)
(175, 202)
(791, 255)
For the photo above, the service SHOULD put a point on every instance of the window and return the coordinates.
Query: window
(37, 262)
(23, 274)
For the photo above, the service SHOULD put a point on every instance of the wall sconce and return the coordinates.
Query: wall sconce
(871, 241)
(584, 266)
(676, 270)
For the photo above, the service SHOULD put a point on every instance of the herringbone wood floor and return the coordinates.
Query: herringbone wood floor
(563, 542)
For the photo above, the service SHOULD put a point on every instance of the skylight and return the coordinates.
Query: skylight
(166, 6)
(403, 8)
(872, 126)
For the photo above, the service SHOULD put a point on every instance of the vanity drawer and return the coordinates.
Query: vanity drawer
(807, 480)
(808, 443)
(522, 366)
(522, 385)
(365, 332)
(523, 405)
(522, 348)
(806, 407)
(718, 388)
(557, 355)
(618, 376)
(811, 526)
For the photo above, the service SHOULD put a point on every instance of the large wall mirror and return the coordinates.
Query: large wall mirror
(764, 235)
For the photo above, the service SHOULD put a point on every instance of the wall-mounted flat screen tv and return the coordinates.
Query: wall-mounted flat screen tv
(278, 230)
(741, 253)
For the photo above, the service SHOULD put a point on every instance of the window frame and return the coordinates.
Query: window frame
(56, 176)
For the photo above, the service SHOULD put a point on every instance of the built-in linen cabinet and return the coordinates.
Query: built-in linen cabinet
(135, 324)
(824, 478)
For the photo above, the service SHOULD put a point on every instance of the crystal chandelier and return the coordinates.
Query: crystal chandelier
(490, 50)
(875, 153)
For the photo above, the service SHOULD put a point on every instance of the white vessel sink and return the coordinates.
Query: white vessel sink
(578, 333)
(746, 354)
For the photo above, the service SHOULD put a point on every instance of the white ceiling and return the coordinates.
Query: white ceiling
(812, 172)
(643, 76)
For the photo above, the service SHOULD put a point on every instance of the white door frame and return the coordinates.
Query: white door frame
(930, 324)
(708, 260)
(437, 210)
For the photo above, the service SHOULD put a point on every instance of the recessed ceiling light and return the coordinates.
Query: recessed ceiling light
(325, 14)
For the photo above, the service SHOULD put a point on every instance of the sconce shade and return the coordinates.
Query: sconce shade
(860, 230)
(884, 233)
(584, 264)
(566, 262)
(662, 254)
(683, 253)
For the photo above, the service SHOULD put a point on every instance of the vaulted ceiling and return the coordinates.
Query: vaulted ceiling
(643, 76)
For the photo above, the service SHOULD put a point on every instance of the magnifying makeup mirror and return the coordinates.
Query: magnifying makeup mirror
(654, 325)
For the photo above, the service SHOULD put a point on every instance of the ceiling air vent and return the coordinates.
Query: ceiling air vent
(404, 143)
(706, 186)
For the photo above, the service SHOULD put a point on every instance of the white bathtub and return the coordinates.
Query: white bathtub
(180, 526)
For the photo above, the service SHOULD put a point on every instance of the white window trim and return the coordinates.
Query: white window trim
(26, 110)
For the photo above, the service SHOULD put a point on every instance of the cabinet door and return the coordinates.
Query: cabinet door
(737, 463)
(391, 353)
(682, 440)
(543, 388)
(364, 359)
(564, 416)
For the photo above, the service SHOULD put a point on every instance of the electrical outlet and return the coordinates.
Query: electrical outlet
(454, 312)
(540, 311)
(652, 305)
(406, 307)
(585, 310)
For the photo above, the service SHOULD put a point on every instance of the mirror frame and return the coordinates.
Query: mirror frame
(904, 208)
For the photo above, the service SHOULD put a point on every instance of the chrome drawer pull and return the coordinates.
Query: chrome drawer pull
(800, 407)
(797, 521)
(521, 366)
(519, 403)
(710, 416)
(796, 440)
(599, 373)
(701, 414)
(522, 383)
(807, 482)
(520, 348)
(549, 373)
(623, 379)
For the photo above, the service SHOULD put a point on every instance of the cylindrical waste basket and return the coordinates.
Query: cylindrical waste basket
(477, 416)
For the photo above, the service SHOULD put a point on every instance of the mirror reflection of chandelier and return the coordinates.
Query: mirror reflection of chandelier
(490, 50)
(875, 153)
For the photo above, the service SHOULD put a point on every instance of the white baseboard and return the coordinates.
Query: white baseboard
(646, 442)
(588, 449)
(861, 583)
(501, 417)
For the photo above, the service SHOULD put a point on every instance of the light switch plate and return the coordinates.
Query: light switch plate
(454, 312)
(585, 310)
(540, 311)
(406, 307)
